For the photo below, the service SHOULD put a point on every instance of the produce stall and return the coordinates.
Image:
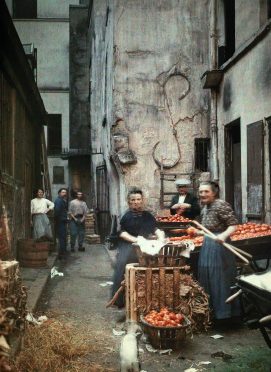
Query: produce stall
(252, 238)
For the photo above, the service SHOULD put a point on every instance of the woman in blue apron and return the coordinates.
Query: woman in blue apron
(135, 222)
(217, 267)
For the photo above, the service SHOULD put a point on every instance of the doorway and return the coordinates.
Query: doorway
(102, 210)
(233, 189)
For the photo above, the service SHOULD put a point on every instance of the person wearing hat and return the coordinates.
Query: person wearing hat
(184, 203)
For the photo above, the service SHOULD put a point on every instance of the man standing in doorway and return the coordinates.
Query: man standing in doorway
(78, 210)
(183, 202)
(61, 219)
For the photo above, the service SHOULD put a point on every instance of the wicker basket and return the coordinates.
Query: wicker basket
(169, 256)
(166, 337)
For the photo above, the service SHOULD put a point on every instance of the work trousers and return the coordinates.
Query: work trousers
(77, 230)
(61, 234)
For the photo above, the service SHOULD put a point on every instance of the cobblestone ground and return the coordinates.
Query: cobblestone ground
(78, 298)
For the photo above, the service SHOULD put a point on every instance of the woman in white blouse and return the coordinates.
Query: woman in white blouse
(39, 209)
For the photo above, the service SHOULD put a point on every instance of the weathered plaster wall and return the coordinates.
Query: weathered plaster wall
(52, 162)
(101, 75)
(52, 42)
(245, 93)
(247, 20)
(55, 9)
(160, 53)
(58, 103)
(50, 8)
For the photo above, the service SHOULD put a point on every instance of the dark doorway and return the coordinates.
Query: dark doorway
(255, 171)
(233, 188)
(103, 213)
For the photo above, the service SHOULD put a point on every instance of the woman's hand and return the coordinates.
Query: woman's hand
(221, 238)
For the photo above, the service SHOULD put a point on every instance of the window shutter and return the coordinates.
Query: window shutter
(255, 171)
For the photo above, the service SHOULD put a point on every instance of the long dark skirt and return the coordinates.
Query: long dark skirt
(216, 274)
(126, 254)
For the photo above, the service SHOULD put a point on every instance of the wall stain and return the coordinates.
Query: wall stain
(227, 95)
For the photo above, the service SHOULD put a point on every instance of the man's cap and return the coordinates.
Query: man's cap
(182, 182)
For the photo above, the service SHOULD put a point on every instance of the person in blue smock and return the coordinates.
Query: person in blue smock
(135, 222)
(216, 266)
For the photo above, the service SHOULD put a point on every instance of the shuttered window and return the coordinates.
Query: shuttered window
(25, 9)
(202, 146)
(255, 171)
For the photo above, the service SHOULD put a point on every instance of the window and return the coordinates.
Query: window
(54, 134)
(58, 175)
(24, 8)
(229, 6)
(202, 154)
(268, 9)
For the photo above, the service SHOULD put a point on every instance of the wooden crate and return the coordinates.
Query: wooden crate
(149, 288)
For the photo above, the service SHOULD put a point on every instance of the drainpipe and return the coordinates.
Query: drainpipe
(213, 109)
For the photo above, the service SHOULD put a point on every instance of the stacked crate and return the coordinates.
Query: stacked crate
(91, 237)
(12, 309)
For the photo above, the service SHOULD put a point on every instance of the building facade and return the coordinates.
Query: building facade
(149, 114)
(55, 30)
(243, 105)
(23, 159)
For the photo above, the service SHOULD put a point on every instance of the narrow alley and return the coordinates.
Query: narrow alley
(135, 185)
(78, 298)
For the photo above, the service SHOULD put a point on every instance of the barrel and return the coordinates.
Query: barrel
(33, 254)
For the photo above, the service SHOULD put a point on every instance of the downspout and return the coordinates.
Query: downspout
(213, 108)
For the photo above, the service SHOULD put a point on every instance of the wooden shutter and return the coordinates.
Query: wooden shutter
(255, 171)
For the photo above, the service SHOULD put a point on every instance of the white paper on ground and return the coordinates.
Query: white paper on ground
(55, 272)
(204, 363)
(42, 319)
(191, 370)
(31, 319)
(150, 349)
(106, 284)
(217, 337)
(167, 351)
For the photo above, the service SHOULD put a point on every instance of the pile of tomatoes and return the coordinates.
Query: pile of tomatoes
(197, 240)
(174, 218)
(191, 231)
(164, 318)
(251, 230)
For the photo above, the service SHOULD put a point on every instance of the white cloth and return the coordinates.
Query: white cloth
(41, 205)
(151, 247)
(260, 280)
(181, 198)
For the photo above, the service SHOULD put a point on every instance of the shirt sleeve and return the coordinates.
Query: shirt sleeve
(71, 207)
(32, 206)
(226, 214)
(57, 207)
(50, 204)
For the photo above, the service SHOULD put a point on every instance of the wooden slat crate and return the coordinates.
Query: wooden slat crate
(149, 288)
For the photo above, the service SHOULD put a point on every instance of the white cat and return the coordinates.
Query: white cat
(129, 354)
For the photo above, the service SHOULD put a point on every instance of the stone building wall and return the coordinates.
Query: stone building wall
(245, 93)
(156, 106)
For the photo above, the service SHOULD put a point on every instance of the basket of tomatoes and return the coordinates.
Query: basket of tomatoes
(165, 329)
